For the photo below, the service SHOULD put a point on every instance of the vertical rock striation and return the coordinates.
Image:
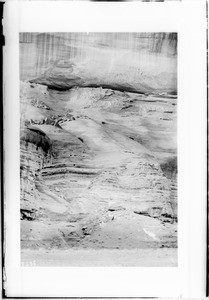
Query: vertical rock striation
(141, 62)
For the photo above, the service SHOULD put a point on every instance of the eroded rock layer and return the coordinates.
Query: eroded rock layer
(98, 140)
(98, 168)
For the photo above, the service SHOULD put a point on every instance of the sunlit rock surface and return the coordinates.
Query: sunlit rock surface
(140, 62)
(99, 160)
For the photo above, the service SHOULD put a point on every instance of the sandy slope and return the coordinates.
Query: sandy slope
(100, 258)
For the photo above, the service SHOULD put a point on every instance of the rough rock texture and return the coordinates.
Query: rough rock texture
(35, 153)
(98, 141)
(101, 175)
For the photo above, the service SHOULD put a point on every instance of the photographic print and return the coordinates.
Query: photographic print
(98, 149)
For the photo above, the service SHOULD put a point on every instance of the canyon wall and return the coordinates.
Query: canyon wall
(98, 140)
(137, 62)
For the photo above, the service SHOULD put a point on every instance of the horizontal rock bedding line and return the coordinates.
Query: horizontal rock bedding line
(106, 171)
(69, 84)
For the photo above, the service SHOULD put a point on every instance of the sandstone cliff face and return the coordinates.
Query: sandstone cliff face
(140, 62)
(98, 160)
(35, 154)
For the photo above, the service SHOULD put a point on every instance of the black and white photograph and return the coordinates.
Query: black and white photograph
(98, 149)
(105, 149)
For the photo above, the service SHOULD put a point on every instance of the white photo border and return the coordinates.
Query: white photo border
(188, 19)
